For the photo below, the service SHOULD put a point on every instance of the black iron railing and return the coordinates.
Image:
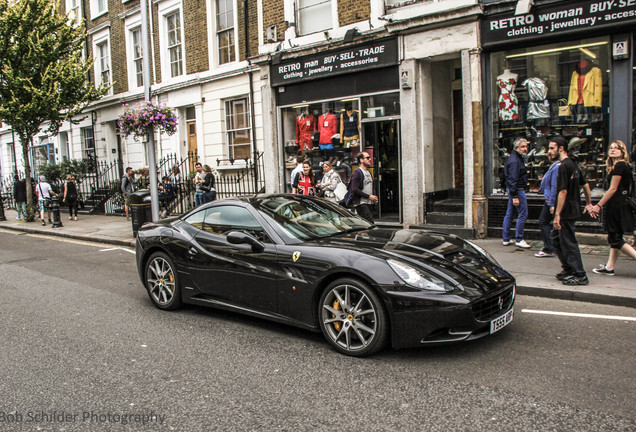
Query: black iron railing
(6, 190)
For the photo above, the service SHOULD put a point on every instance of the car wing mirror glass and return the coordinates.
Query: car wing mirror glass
(238, 237)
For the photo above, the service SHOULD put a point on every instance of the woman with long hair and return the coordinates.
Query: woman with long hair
(618, 215)
(305, 183)
(208, 185)
(70, 196)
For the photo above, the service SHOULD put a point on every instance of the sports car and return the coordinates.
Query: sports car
(309, 263)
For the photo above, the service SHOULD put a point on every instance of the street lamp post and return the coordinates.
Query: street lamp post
(152, 161)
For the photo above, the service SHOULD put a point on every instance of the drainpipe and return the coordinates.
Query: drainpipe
(251, 80)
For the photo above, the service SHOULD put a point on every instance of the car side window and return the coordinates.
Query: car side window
(221, 220)
(196, 219)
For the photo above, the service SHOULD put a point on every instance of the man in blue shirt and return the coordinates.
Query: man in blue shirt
(516, 181)
(549, 191)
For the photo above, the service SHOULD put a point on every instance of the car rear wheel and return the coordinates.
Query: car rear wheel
(162, 282)
(353, 318)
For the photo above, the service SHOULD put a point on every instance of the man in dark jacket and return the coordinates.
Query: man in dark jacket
(20, 196)
(516, 181)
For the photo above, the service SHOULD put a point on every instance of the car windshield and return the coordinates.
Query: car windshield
(300, 218)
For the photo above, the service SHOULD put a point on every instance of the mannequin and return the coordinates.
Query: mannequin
(538, 105)
(586, 86)
(508, 103)
(328, 127)
(349, 128)
(305, 126)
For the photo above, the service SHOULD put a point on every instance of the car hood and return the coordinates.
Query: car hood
(440, 252)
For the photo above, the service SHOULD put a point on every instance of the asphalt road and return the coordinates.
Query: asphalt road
(82, 348)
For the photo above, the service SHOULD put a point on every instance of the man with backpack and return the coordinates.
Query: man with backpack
(127, 188)
(360, 194)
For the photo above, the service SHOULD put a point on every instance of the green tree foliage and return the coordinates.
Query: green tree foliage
(42, 75)
(78, 168)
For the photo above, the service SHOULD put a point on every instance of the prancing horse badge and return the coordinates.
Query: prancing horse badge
(296, 255)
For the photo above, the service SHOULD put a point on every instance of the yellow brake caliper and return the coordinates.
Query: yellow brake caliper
(336, 306)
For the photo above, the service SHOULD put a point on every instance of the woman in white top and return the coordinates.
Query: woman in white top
(330, 180)
(44, 191)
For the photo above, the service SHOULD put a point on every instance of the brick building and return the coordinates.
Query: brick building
(198, 66)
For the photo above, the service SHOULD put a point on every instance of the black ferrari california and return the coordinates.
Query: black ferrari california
(310, 263)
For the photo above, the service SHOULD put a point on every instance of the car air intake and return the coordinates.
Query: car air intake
(492, 307)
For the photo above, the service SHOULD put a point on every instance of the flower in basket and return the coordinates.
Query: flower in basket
(136, 120)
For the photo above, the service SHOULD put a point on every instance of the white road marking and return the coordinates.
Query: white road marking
(580, 315)
(116, 248)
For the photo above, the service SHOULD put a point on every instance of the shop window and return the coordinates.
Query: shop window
(634, 107)
(314, 16)
(327, 130)
(225, 38)
(237, 124)
(382, 105)
(544, 91)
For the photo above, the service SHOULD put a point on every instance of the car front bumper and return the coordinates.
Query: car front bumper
(417, 321)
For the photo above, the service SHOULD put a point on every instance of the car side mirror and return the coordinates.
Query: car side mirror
(238, 237)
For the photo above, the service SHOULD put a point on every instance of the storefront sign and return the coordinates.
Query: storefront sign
(564, 18)
(380, 53)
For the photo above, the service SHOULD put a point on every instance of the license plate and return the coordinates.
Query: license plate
(499, 323)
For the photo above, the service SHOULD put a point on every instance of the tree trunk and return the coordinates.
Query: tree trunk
(25, 141)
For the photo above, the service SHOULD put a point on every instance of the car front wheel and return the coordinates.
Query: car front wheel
(353, 318)
(162, 282)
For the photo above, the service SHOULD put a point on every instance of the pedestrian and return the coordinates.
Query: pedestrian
(362, 197)
(20, 196)
(549, 190)
(516, 177)
(166, 194)
(175, 179)
(127, 188)
(570, 180)
(297, 170)
(44, 193)
(199, 179)
(70, 196)
(305, 183)
(329, 182)
(209, 191)
(618, 215)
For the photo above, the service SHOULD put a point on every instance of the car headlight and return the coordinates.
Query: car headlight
(482, 251)
(417, 279)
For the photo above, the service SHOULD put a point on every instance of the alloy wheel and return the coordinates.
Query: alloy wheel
(161, 282)
(350, 319)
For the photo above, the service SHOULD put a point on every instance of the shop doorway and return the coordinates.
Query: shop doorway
(382, 142)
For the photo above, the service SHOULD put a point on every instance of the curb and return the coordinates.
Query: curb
(560, 294)
(606, 299)
(113, 242)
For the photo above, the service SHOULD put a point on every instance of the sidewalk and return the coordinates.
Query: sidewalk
(535, 276)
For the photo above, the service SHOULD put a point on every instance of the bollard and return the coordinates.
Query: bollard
(55, 209)
(2, 216)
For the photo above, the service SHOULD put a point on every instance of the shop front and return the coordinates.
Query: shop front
(564, 69)
(332, 105)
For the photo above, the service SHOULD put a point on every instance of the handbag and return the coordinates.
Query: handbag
(340, 191)
(564, 108)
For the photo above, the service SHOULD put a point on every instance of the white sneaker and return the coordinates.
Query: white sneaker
(507, 242)
(522, 244)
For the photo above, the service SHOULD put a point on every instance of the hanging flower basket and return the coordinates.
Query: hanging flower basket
(136, 120)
